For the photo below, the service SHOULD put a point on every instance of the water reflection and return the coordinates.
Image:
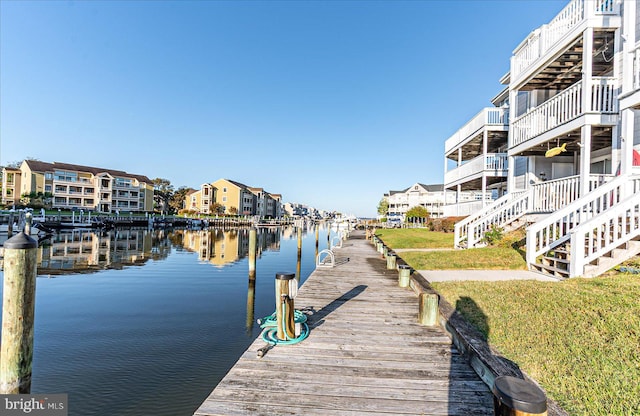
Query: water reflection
(224, 247)
(86, 251)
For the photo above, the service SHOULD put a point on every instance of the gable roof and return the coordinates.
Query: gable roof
(38, 166)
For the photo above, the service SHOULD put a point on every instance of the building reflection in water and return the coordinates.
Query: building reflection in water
(222, 247)
(86, 251)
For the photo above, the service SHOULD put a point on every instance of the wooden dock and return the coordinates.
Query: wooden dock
(366, 354)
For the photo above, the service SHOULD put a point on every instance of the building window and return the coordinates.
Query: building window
(224, 190)
(224, 199)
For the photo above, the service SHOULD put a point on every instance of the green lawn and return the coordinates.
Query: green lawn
(415, 238)
(580, 339)
(487, 258)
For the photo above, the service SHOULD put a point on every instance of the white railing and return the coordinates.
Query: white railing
(543, 39)
(462, 209)
(554, 230)
(542, 197)
(494, 162)
(600, 235)
(491, 116)
(565, 107)
(463, 228)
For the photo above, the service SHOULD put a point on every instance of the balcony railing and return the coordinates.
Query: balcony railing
(491, 162)
(565, 107)
(547, 36)
(491, 116)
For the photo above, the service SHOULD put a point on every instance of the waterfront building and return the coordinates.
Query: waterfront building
(574, 92)
(476, 159)
(11, 185)
(226, 196)
(79, 187)
(431, 197)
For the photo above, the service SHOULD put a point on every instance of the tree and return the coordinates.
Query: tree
(35, 199)
(162, 193)
(176, 202)
(383, 207)
(233, 211)
(217, 208)
(418, 213)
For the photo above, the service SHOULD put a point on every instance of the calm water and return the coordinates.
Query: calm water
(155, 331)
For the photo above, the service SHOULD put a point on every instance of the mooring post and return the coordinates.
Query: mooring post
(391, 260)
(317, 235)
(285, 318)
(328, 236)
(428, 309)
(517, 397)
(28, 219)
(404, 274)
(253, 244)
(18, 308)
(10, 225)
(299, 241)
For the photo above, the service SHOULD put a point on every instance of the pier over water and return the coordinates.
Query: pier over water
(366, 353)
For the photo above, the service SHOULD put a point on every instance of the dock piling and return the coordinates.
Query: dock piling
(18, 309)
(285, 319)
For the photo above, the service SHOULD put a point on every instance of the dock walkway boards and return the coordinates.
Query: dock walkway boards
(366, 354)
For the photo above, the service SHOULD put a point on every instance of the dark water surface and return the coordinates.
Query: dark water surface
(159, 328)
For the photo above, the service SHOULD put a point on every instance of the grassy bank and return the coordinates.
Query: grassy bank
(415, 238)
(488, 258)
(580, 339)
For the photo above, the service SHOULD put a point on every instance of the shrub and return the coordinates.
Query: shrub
(493, 235)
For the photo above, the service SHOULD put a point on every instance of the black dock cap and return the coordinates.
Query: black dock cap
(519, 394)
(20, 241)
(285, 276)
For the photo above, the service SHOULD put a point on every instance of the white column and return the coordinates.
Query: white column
(587, 68)
(626, 141)
(585, 159)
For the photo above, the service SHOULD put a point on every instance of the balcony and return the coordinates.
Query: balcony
(565, 107)
(563, 29)
(491, 118)
(493, 164)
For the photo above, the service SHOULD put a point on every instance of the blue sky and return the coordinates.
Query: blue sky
(329, 103)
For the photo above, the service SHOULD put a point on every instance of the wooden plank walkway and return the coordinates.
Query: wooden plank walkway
(365, 354)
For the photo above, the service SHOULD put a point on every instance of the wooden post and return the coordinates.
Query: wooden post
(10, 225)
(18, 308)
(253, 240)
(328, 237)
(517, 397)
(428, 309)
(317, 235)
(404, 274)
(391, 260)
(299, 241)
(285, 318)
(28, 219)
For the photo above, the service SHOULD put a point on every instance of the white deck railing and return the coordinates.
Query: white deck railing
(565, 107)
(547, 36)
(462, 209)
(491, 116)
(554, 230)
(600, 235)
(492, 162)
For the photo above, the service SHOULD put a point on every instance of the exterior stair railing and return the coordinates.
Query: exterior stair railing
(600, 235)
(557, 228)
(542, 197)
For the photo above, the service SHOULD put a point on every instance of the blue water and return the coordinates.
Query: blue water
(154, 338)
